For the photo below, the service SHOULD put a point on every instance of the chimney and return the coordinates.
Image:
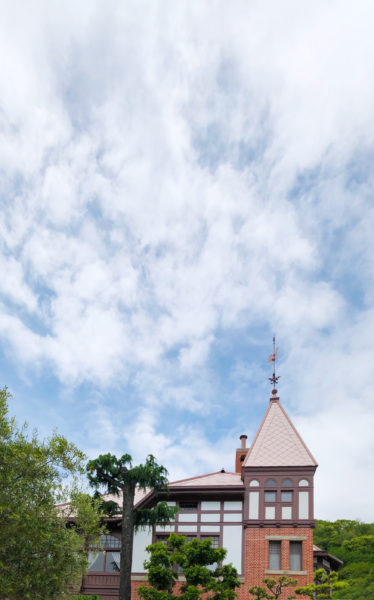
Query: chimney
(241, 453)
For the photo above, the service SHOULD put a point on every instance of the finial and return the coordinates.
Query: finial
(274, 379)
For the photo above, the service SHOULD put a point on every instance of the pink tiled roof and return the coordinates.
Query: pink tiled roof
(277, 443)
(219, 478)
(64, 509)
(139, 495)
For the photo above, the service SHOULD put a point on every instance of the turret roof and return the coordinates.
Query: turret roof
(277, 443)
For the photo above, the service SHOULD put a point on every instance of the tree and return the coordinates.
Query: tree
(198, 561)
(119, 476)
(353, 543)
(40, 557)
(274, 588)
(323, 586)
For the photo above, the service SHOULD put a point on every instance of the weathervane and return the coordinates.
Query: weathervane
(272, 358)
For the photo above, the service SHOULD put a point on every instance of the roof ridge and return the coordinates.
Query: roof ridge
(257, 434)
(298, 434)
(200, 476)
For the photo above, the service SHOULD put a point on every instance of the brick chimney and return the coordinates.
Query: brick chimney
(241, 453)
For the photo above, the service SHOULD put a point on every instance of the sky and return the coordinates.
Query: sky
(180, 181)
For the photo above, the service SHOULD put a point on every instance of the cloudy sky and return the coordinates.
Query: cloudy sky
(179, 181)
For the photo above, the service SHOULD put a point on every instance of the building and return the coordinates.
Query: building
(262, 513)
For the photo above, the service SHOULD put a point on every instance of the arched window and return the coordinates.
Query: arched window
(286, 483)
(254, 483)
(270, 483)
(303, 483)
(105, 556)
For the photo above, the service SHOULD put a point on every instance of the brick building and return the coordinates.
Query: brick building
(262, 513)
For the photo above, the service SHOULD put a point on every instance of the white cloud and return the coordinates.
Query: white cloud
(172, 174)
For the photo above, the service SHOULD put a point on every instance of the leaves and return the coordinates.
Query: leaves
(274, 588)
(323, 586)
(40, 557)
(197, 560)
(118, 475)
(352, 542)
(161, 514)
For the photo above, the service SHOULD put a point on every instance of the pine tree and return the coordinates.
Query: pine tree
(198, 561)
(119, 476)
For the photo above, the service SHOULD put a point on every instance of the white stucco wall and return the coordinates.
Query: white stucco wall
(142, 539)
(232, 541)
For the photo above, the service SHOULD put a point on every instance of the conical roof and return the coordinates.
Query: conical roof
(277, 443)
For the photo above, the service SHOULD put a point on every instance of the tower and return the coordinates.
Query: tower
(278, 473)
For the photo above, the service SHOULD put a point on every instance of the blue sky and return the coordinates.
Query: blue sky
(178, 182)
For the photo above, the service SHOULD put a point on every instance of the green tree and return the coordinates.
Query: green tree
(119, 476)
(274, 588)
(323, 586)
(352, 542)
(40, 556)
(198, 561)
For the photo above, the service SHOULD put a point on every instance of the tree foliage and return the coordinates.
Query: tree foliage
(40, 557)
(274, 588)
(118, 476)
(198, 561)
(323, 586)
(352, 542)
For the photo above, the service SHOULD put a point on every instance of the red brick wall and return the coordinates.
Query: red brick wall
(257, 557)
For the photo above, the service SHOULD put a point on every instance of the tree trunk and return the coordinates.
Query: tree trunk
(127, 537)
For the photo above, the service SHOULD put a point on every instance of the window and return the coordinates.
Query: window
(303, 505)
(214, 538)
(269, 512)
(162, 538)
(254, 483)
(215, 544)
(286, 483)
(110, 541)
(295, 556)
(286, 496)
(105, 557)
(188, 505)
(270, 483)
(270, 496)
(253, 504)
(275, 556)
(303, 483)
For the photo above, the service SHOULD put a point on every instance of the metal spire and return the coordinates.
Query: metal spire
(272, 358)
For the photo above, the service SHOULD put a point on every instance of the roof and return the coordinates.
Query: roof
(319, 552)
(219, 478)
(277, 443)
(140, 494)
